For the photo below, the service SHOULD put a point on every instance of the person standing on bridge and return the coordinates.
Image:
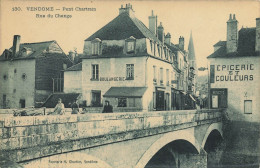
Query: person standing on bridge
(75, 107)
(107, 108)
(59, 108)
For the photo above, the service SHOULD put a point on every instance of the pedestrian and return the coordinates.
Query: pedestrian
(59, 108)
(75, 107)
(107, 108)
(201, 103)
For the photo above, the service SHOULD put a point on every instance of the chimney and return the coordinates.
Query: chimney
(72, 55)
(232, 35)
(153, 24)
(16, 45)
(127, 9)
(257, 40)
(161, 33)
(181, 43)
(168, 39)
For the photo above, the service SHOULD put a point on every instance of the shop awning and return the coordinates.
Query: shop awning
(125, 92)
(192, 98)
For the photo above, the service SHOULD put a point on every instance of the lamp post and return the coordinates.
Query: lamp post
(203, 69)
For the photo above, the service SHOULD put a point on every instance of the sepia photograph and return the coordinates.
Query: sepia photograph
(129, 84)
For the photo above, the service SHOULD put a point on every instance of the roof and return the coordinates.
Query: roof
(77, 67)
(246, 45)
(220, 43)
(122, 27)
(125, 92)
(67, 99)
(36, 48)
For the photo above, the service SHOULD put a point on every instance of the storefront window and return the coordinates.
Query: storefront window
(122, 102)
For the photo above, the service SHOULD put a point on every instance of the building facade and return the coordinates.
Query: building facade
(234, 72)
(132, 66)
(27, 72)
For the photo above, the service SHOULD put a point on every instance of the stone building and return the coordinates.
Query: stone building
(27, 72)
(131, 66)
(234, 72)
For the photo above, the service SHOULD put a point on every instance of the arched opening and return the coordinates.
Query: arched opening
(214, 147)
(169, 156)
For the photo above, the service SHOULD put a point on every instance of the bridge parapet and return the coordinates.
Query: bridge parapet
(26, 138)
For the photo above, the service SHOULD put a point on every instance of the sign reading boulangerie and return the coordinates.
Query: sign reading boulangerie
(233, 72)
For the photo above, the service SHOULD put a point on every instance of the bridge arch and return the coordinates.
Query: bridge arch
(213, 127)
(163, 141)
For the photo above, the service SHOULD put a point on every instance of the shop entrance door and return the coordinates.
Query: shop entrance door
(160, 103)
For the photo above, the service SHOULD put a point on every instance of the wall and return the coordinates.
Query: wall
(238, 91)
(25, 138)
(73, 81)
(15, 87)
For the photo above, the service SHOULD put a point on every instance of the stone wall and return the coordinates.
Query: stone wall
(26, 138)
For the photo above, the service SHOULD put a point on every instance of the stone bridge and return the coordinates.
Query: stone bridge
(116, 140)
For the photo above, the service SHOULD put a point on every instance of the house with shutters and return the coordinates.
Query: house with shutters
(131, 65)
(234, 72)
(29, 73)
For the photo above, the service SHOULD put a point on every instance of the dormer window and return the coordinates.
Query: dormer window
(96, 46)
(159, 50)
(130, 45)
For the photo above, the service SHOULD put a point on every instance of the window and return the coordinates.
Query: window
(4, 101)
(151, 45)
(24, 76)
(154, 74)
(167, 77)
(5, 77)
(95, 72)
(159, 50)
(161, 75)
(130, 45)
(122, 102)
(131, 102)
(248, 106)
(129, 71)
(15, 70)
(96, 46)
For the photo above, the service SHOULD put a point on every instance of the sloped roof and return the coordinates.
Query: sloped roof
(67, 99)
(125, 92)
(220, 43)
(122, 27)
(77, 67)
(37, 49)
(246, 45)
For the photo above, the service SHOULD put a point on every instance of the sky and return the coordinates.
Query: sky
(205, 19)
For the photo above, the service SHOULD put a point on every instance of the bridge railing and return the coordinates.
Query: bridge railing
(25, 138)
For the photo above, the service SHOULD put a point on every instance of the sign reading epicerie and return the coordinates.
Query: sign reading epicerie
(234, 72)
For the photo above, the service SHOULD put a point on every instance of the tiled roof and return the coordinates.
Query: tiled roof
(122, 27)
(125, 92)
(77, 67)
(67, 99)
(220, 43)
(37, 49)
(246, 45)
